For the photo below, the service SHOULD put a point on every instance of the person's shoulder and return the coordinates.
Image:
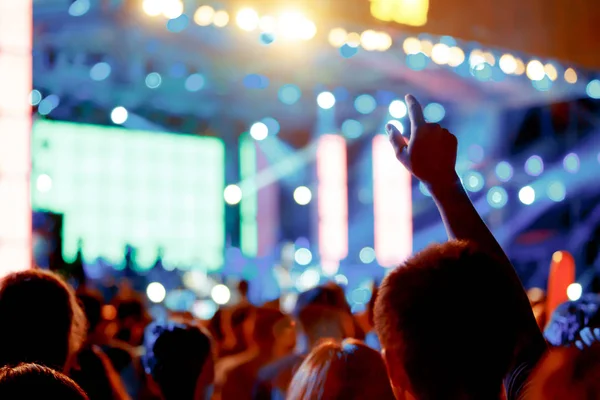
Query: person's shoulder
(271, 371)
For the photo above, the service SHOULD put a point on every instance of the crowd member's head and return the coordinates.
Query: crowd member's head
(439, 337)
(569, 318)
(567, 373)
(41, 320)
(179, 361)
(345, 371)
(132, 318)
(274, 332)
(321, 322)
(32, 382)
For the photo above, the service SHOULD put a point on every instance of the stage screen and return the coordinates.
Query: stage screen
(118, 187)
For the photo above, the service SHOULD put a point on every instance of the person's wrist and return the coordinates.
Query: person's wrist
(443, 183)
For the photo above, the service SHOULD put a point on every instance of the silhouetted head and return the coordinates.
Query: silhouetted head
(179, 358)
(440, 336)
(91, 303)
(32, 382)
(41, 320)
(341, 371)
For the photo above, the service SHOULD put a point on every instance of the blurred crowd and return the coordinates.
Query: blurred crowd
(427, 332)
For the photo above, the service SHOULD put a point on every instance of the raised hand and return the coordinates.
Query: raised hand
(430, 152)
(588, 337)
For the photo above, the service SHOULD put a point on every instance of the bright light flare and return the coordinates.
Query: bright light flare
(247, 19)
(293, 25)
(326, 100)
(220, 294)
(156, 292)
(574, 291)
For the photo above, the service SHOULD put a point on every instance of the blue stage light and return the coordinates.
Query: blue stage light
(417, 61)
(352, 129)
(593, 89)
(474, 181)
(348, 51)
(365, 104)
(434, 112)
(571, 163)
(194, 83)
(100, 71)
(497, 197)
(272, 125)
(153, 80)
(289, 94)
(557, 191)
(534, 166)
(504, 171)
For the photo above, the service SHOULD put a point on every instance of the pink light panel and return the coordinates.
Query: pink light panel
(332, 197)
(15, 130)
(392, 205)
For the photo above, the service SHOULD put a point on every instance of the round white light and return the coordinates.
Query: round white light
(232, 194)
(302, 195)
(574, 291)
(44, 183)
(535, 70)
(119, 115)
(220, 294)
(152, 7)
(440, 54)
(308, 280)
(172, 9)
(508, 64)
(204, 15)
(341, 279)
(527, 195)
(303, 256)
(326, 100)
(247, 19)
(156, 292)
(398, 109)
(259, 131)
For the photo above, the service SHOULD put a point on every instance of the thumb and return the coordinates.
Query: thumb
(415, 112)
(399, 142)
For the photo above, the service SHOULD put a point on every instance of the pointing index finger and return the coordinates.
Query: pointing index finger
(415, 111)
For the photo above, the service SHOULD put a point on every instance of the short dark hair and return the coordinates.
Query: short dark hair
(32, 381)
(440, 313)
(175, 357)
(41, 320)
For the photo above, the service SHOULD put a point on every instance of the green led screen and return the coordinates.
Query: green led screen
(146, 189)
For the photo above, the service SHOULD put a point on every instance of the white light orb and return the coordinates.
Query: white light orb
(156, 292)
(326, 100)
(119, 115)
(232, 194)
(259, 131)
(220, 294)
(302, 195)
(574, 291)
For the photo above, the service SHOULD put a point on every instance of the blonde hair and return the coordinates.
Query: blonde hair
(345, 371)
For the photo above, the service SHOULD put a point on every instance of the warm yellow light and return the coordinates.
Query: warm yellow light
(520, 69)
(337, 37)
(293, 25)
(535, 70)
(172, 9)
(152, 8)
(440, 54)
(557, 256)
(412, 45)
(508, 64)
(204, 15)
(551, 71)
(267, 24)
(369, 40)
(476, 58)
(426, 47)
(247, 19)
(457, 56)
(570, 75)
(221, 18)
(407, 12)
(489, 58)
(353, 39)
(385, 41)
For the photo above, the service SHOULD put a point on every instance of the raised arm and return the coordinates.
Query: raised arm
(430, 154)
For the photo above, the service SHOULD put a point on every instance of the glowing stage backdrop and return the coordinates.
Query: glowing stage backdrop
(15, 126)
(117, 187)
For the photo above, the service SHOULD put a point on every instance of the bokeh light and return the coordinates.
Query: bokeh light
(341, 280)
(35, 97)
(556, 191)
(504, 171)
(571, 163)
(204, 15)
(337, 37)
(367, 255)
(289, 94)
(574, 291)
(434, 112)
(570, 75)
(152, 8)
(535, 70)
(534, 166)
(527, 195)
(220, 294)
(156, 292)
(100, 71)
(172, 8)
(232, 194)
(221, 19)
(508, 64)
(440, 54)
(473, 181)
(247, 19)
(398, 109)
(411, 45)
(365, 104)
(272, 125)
(194, 83)
(416, 62)
(43, 183)
(326, 100)
(302, 195)
(457, 56)
(551, 71)
(308, 280)
(497, 197)
(303, 256)
(119, 115)
(153, 80)
(352, 128)
(593, 89)
(259, 131)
